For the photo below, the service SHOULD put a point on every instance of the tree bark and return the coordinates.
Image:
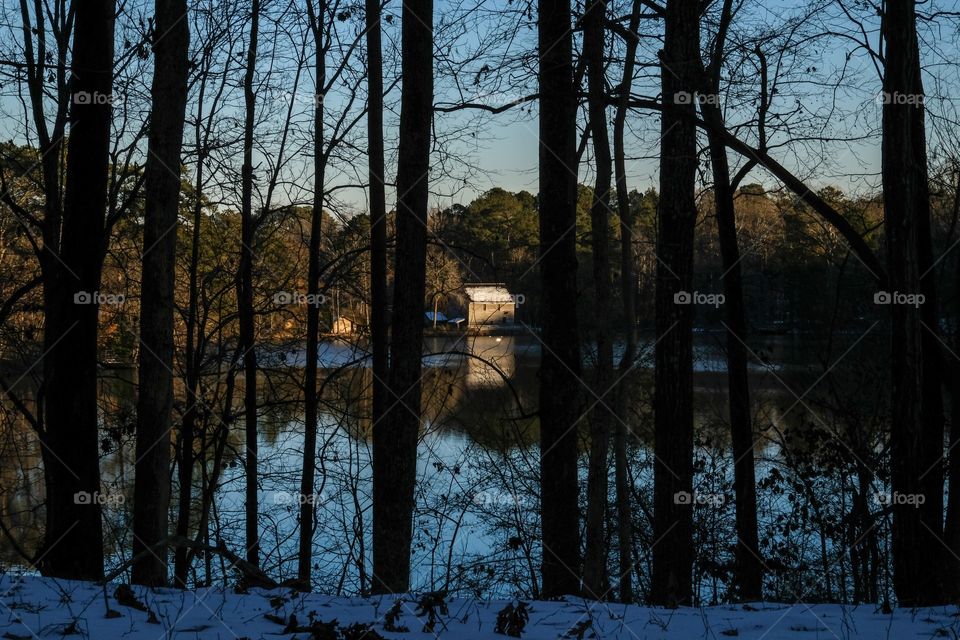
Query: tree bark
(951, 527)
(307, 506)
(161, 208)
(951, 530)
(748, 578)
(70, 442)
(748, 575)
(671, 580)
(395, 438)
(595, 578)
(379, 318)
(916, 438)
(245, 308)
(560, 394)
(628, 294)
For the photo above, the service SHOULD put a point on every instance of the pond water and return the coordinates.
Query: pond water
(476, 525)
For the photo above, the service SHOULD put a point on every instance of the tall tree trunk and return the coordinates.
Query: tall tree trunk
(395, 438)
(748, 575)
(671, 580)
(151, 499)
(192, 365)
(596, 583)
(245, 309)
(933, 412)
(73, 539)
(195, 342)
(560, 394)
(628, 287)
(951, 530)
(307, 507)
(915, 445)
(379, 318)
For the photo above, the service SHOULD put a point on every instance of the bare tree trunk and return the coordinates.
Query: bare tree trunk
(192, 366)
(307, 507)
(395, 438)
(560, 394)
(628, 287)
(748, 576)
(951, 530)
(245, 309)
(379, 318)
(671, 581)
(596, 582)
(73, 539)
(195, 341)
(914, 445)
(161, 207)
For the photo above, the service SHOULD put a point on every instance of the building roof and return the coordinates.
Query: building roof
(488, 292)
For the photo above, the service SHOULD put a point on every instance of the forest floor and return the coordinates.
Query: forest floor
(35, 608)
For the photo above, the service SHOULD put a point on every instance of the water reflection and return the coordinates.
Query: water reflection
(480, 429)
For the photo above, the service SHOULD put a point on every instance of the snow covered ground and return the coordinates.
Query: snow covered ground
(34, 608)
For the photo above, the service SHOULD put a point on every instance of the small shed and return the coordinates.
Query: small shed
(489, 304)
(343, 325)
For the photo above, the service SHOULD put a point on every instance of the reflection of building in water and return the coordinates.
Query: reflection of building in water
(489, 304)
(494, 356)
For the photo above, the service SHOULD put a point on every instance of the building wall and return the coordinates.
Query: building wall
(490, 313)
(342, 325)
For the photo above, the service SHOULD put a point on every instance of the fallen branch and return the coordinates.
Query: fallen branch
(252, 575)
